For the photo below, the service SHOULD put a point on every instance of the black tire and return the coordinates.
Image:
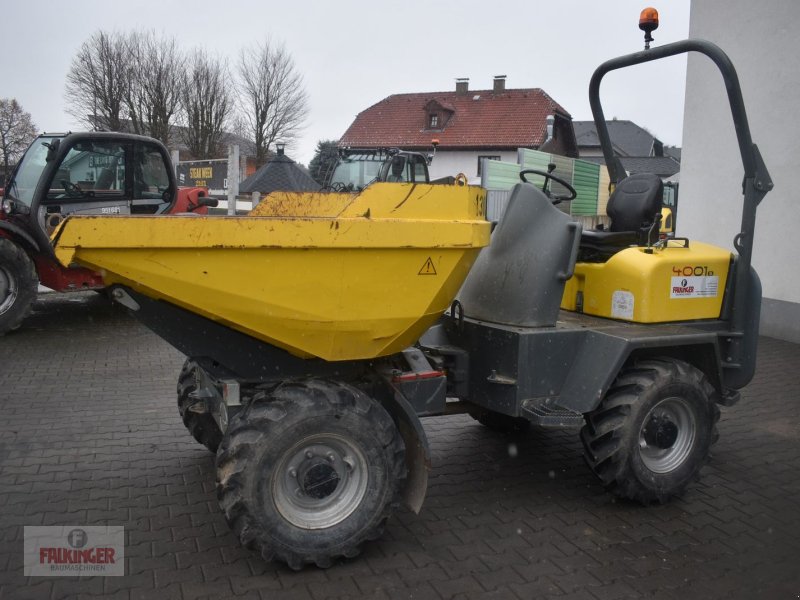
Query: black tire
(202, 426)
(653, 431)
(305, 447)
(499, 422)
(18, 285)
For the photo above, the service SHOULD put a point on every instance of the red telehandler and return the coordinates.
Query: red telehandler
(77, 174)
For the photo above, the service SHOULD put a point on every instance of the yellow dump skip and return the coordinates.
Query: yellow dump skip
(364, 277)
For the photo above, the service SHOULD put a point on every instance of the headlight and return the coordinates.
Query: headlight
(8, 206)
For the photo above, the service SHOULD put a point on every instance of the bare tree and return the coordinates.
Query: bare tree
(153, 94)
(97, 81)
(206, 103)
(272, 95)
(17, 131)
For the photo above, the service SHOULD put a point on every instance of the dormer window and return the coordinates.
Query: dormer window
(437, 115)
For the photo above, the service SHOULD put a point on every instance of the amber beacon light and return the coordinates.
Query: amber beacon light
(648, 22)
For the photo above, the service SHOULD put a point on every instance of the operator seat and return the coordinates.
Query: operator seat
(635, 210)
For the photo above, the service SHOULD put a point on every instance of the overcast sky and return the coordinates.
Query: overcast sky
(353, 53)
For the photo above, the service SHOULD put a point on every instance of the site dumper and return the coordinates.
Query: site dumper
(321, 327)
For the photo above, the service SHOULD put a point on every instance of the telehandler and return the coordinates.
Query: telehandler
(316, 336)
(77, 173)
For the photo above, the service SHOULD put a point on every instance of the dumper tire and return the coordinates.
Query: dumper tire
(499, 422)
(652, 433)
(309, 472)
(19, 285)
(202, 426)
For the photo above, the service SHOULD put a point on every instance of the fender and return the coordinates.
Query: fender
(18, 232)
(418, 451)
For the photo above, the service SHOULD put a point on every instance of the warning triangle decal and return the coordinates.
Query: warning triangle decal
(427, 268)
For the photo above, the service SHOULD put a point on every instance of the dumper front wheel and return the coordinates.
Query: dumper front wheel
(653, 431)
(18, 285)
(309, 472)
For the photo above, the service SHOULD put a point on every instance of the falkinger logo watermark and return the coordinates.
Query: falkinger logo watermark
(90, 551)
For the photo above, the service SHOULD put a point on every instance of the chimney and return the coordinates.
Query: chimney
(499, 84)
(462, 86)
(279, 146)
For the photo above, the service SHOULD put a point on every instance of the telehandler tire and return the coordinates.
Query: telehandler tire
(202, 426)
(653, 431)
(310, 471)
(18, 285)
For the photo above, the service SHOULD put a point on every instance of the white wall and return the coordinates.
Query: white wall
(453, 162)
(760, 38)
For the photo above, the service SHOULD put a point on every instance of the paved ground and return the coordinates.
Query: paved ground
(89, 435)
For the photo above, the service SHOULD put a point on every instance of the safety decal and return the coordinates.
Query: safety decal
(622, 305)
(694, 287)
(427, 268)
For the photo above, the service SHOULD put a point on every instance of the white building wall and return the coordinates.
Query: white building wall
(453, 162)
(760, 39)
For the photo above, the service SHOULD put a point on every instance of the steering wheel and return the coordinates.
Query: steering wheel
(338, 186)
(554, 198)
(72, 189)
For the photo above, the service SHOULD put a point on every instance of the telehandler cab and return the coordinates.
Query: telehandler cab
(77, 174)
(356, 168)
(317, 341)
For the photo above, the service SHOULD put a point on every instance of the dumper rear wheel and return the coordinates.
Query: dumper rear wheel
(309, 472)
(200, 424)
(18, 285)
(653, 431)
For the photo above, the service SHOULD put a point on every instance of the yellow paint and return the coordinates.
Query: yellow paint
(351, 282)
(634, 285)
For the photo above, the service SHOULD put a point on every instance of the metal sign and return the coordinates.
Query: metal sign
(212, 174)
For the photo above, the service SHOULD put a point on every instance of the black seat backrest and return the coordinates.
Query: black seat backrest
(635, 202)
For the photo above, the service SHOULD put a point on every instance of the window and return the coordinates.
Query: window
(151, 193)
(420, 169)
(151, 179)
(487, 157)
(113, 176)
(406, 168)
(433, 121)
(96, 167)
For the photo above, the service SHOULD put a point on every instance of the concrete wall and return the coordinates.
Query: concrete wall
(760, 38)
(453, 162)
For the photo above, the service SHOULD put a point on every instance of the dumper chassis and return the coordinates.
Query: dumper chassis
(313, 455)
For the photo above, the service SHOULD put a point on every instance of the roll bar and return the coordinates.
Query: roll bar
(755, 185)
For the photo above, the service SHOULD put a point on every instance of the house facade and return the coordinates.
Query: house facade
(467, 126)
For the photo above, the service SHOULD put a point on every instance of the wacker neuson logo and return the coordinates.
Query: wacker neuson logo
(75, 550)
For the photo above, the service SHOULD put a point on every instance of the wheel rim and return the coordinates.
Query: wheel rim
(8, 290)
(320, 481)
(667, 435)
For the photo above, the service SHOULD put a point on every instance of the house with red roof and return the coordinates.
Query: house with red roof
(468, 125)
